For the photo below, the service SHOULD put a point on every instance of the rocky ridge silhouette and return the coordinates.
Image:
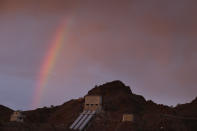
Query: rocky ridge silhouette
(118, 99)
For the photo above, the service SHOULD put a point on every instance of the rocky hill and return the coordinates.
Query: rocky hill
(118, 99)
(5, 113)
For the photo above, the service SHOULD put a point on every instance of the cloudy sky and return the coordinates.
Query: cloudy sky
(149, 45)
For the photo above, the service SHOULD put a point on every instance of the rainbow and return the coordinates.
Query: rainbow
(49, 63)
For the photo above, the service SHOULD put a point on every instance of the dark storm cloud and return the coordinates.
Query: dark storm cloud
(38, 6)
(151, 45)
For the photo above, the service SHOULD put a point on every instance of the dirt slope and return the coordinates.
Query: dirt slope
(117, 100)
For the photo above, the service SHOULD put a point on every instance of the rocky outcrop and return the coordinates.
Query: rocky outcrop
(118, 99)
(5, 113)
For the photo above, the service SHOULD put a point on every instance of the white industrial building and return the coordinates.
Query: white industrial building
(93, 105)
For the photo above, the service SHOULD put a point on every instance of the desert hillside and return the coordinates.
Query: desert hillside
(117, 99)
